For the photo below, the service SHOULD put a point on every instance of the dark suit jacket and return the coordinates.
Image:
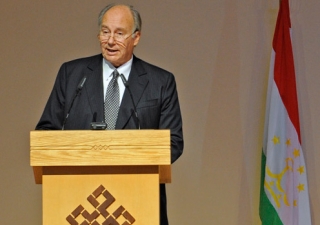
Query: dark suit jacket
(154, 93)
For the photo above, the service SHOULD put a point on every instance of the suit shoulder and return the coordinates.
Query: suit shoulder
(153, 69)
(83, 61)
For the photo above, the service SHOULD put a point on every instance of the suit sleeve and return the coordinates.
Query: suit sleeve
(170, 117)
(53, 114)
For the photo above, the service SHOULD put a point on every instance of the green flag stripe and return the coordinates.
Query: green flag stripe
(268, 214)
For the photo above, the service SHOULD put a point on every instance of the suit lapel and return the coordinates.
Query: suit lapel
(138, 81)
(94, 87)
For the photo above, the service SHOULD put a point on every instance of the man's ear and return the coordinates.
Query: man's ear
(137, 38)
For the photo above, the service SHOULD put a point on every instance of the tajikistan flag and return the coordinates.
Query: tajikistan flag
(284, 189)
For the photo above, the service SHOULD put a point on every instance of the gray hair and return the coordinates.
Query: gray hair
(134, 12)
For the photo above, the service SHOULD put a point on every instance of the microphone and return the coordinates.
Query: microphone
(125, 82)
(79, 88)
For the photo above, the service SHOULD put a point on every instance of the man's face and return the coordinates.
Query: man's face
(115, 36)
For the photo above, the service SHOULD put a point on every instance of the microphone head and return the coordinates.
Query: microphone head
(81, 84)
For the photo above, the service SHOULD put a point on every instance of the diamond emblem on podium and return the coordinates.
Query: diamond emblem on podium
(100, 199)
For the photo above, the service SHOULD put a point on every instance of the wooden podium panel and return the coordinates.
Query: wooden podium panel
(128, 198)
(88, 148)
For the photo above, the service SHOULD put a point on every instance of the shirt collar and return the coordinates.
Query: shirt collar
(123, 69)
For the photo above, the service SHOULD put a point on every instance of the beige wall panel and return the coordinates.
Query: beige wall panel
(219, 52)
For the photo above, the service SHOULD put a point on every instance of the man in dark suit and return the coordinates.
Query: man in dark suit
(153, 89)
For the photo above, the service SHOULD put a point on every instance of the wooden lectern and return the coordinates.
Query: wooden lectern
(101, 177)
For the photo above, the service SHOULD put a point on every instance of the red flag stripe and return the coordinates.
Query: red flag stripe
(284, 73)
